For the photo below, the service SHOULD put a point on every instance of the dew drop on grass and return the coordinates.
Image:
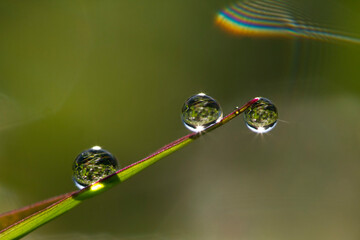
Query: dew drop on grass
(200, 111)
(262, 116)
(92, 165)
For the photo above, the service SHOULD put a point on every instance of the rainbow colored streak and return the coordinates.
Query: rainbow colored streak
(273, 18)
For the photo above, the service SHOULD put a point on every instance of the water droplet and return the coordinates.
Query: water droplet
(200, 111)
(92, 165)
(261, 117)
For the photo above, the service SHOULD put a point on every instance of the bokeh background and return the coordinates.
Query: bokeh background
(74, 74)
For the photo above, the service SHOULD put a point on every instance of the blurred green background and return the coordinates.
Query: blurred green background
(74, 74)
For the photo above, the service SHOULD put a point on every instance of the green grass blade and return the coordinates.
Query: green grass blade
(18, 223)
(9, 218)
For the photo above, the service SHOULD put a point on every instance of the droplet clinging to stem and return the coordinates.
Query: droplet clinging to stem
(92, 165)
(261, 116)
(200, 111)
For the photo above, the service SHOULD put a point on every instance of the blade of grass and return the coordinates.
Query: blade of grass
(18, 223)
(9, 218)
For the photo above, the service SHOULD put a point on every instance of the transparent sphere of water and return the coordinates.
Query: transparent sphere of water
(261, 116)
(200, 111)
(92, 165)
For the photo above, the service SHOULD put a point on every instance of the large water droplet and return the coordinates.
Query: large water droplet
(200, 111)
(261, 117)
(92, 165)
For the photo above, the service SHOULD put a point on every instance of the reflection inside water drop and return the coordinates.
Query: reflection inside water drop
(261, 117)
(92, 165)
(200, 111)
